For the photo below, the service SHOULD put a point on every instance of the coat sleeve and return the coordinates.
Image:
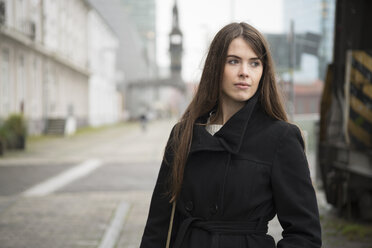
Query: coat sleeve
(294, 194)
(157, 225)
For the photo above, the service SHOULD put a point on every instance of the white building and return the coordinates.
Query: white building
(131, 60)
(45, 61)
(21, 57)
(104, 99)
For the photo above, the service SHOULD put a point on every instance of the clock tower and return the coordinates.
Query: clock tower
(175, 44)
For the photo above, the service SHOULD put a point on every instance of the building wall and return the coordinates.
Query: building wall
(316, 16)
(20, 15)
(21, 63)
(143, 14)
(65, 92)
(66, 27)
(44, 64)
(104, 101)
(131, 59)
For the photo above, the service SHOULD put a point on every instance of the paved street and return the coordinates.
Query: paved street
(79, 213)
(90, 190)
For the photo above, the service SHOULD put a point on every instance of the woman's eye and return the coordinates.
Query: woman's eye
(255, 63)
(233, 61)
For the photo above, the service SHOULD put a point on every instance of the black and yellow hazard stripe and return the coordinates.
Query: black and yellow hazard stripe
(360, 99)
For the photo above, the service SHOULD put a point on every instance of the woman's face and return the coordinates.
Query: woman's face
(242, 73)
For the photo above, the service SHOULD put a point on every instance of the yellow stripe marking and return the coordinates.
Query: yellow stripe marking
(360, 108)
(363, 58)
(367, 90)
(359, 133)
(357, 78)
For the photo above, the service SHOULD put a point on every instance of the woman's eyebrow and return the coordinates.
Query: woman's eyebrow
(233, 56)
(237, 57)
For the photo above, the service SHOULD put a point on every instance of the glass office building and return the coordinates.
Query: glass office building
(143, 15)
(317, 17)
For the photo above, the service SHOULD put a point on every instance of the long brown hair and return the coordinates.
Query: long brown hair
(208, 93)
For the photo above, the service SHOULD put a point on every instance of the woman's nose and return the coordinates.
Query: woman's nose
(244, 71)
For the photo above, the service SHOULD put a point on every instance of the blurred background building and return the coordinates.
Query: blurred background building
(302, 53)
(84, 62)
(143, 90)
(45, 61)
(132, 60)
(105, 102)
(143, 15)
(162, 95)
(59, 61)
(316, 17)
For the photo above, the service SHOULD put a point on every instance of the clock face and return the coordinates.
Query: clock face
(176, 39)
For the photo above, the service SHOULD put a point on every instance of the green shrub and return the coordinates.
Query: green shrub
(2, 140)
(15, 131)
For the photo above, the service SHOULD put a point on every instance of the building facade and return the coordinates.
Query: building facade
(161, 96)
(131, 59)
(44, 61)
(104, 100)
(315, 16)
(143, 15)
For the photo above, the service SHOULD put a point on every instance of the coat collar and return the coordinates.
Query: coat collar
(229, 137)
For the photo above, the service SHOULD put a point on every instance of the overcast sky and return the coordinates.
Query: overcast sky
(201, 19)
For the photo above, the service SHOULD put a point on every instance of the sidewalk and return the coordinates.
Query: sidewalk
(44, 149)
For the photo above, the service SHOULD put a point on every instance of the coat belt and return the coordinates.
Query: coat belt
(216, 228)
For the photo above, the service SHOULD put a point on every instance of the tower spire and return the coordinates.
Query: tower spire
(175, 44)
(175, 22)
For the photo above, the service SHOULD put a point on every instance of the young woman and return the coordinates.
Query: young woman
(233, 161)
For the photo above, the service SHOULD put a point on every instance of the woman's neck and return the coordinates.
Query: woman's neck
(226, 110)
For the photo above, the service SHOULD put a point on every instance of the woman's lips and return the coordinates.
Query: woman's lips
(242, 85)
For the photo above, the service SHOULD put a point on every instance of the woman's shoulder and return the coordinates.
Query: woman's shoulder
(280, 128)
(175, 132)
(267, 122)
(276, 125)
(175, 128)
(289, 132)
(285, 127)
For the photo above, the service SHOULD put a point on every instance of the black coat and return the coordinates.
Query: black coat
(234, 183)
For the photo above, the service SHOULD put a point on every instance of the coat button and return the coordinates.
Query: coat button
(214, 209)
(189, 206)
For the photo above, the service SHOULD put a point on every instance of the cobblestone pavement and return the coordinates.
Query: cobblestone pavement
(80, 213)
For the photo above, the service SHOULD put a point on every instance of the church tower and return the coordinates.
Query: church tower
(175, 44)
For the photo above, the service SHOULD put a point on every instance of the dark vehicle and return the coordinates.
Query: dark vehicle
(345, 128)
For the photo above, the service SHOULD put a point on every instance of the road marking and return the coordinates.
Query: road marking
(112, 234)
(57, 182)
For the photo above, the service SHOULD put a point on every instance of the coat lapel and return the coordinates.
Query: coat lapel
(229, 137)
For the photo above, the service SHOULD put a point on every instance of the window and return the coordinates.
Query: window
(2, 12)
(5, 82)
(20, 84)
(21, 15)
(33, 87)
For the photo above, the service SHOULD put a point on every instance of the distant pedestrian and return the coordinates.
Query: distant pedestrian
(143, 121)
(233, 161)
